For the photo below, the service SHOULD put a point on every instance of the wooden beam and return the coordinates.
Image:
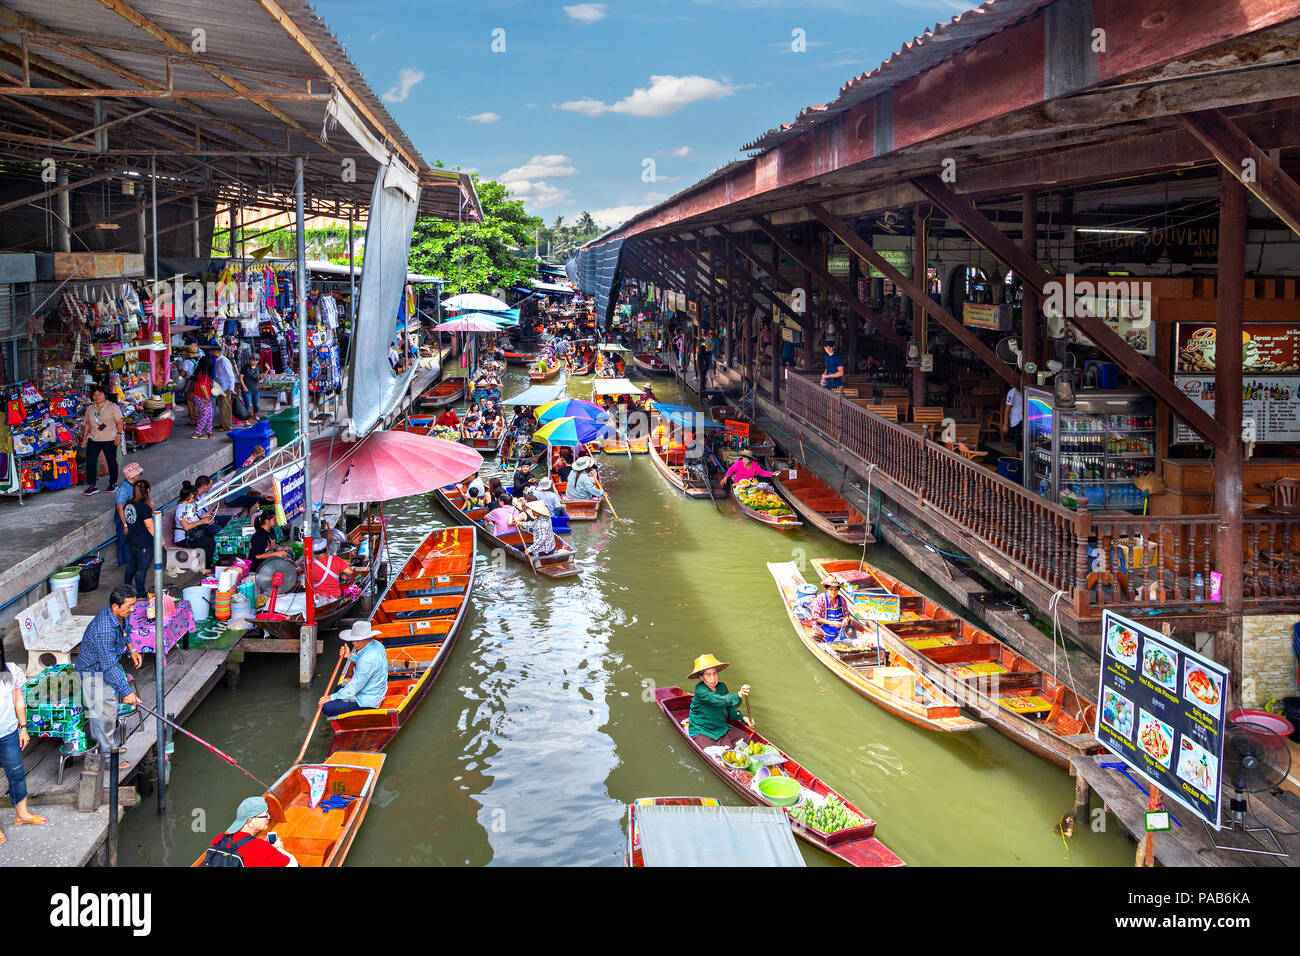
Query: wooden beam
(848, 295)
(741, 245)
(863, 250)
(1107, 339)
(96, 93)
(56, 190)
(1249, 164)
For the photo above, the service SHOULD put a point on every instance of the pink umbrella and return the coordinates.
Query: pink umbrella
(468, 323)
(386, 465)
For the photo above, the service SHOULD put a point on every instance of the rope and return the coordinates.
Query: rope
(946, 554)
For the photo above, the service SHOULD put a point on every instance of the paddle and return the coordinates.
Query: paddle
(319, 707)
(224, 756)
(747, 714)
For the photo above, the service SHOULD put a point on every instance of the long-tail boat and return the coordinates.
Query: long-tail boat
(668, 455)
(856, 845)
(417, 621)
(447, 392)
(322, 836)
(483, 444)
(519, 358)
(651, 363)
(552, 369)
(880, 674)
(756, 440)
(1022, 701)
(820, 505)
(557, 564)
(786, 520)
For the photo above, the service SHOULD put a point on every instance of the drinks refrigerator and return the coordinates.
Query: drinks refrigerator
(1094, 450)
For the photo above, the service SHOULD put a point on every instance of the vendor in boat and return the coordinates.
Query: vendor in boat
(831, 613)
(523, 478)
(745, 468)
(585, 485)
(448, 418)
(330, 574)
(648, 394)
(368, 684)
(713, 706)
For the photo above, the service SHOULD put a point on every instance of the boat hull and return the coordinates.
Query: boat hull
(555, 566)
(772, 521)
(826, 510)
(650, 364)
(691, 489)
(444, 393)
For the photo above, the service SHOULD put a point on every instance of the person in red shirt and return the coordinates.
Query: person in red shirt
(330, 574)
(449, 418)
(244, 839)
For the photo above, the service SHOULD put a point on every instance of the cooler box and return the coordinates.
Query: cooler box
(1010, 468)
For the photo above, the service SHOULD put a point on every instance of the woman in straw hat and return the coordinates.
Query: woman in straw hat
(714, 707)
(534, 517)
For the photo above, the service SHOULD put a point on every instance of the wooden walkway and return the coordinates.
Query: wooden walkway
(1189, 844)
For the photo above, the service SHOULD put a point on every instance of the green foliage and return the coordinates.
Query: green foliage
(478, 256)
(557, 242)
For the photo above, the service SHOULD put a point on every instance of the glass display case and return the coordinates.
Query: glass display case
(1095, 450)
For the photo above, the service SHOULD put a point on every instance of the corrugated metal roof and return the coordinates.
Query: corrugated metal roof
(934, 46)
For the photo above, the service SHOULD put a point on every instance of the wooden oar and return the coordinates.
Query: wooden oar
(747, 714)
(319, 707)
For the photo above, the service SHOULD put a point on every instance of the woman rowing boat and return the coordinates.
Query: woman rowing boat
(713, 707)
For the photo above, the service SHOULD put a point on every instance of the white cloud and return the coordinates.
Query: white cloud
(531, 105)
(680, 151)
(406, 80)
(665, 95)
(554, 166)
(488, 117)
(617, 215)
(376, 35)
(536, 195)
(586, 12)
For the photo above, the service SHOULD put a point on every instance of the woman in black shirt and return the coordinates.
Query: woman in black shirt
(139, 536)
(264, 545)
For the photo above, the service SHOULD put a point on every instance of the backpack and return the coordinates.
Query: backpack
(225, 852)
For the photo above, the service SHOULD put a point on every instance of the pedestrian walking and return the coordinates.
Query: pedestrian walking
(103, 432)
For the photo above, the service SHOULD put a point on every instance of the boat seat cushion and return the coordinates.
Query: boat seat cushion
(426, 612)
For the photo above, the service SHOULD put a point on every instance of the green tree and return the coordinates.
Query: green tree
(478, 256)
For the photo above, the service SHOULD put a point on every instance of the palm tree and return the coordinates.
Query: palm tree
(586, 224)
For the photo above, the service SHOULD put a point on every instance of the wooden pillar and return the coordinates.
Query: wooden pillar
(918, 314)
(306, 654)
(1230, 534)
(810, 317)
(772, 273)
(1029, 317)
(849, 334)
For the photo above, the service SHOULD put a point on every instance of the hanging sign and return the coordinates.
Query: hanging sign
(1267, 348)
(736, 429)
(1161, 712)
(978, 315)
(290, 494)
(877, 606)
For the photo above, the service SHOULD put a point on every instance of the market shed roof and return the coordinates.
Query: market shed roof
(218, 93)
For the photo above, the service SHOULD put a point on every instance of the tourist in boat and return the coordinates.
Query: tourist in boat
(745, 468)
(448, 418)
(562, 463)
(713, 706)
(534, 517)
(476, 495)
(244, 839)
(495, 489)
(498, 518)
(368, 685)
(830, 612)
(584, 486)
(545, 493)
(263, 544)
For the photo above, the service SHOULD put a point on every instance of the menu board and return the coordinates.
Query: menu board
(736, 429)
(1267, 348)
(1161, 712)
(877, 606)
(1270, 406)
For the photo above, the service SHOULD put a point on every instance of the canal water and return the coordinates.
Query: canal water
(542, 727)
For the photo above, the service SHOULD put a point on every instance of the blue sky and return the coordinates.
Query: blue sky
(585, 93)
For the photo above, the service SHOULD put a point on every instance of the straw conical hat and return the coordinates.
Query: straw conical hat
(704, 662)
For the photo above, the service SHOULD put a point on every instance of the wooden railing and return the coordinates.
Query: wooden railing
(1099, 561)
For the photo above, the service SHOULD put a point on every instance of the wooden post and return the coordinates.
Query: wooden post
(850, 323)
(306, 654)
(1029, 304)
(772, 273)
(810, 316)
(1082, 803)
(919, 377)
(1227, 411)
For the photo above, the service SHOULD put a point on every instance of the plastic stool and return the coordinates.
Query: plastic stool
(184, 559)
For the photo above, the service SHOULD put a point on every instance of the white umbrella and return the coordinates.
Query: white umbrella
(474, 302)
(468, 323)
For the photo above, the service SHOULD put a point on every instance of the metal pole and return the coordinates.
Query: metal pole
(112, 801)
(304, 416)
(352, 287)
(159, 654)
(64, 205)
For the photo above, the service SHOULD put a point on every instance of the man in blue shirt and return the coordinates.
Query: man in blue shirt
(368, 685)
(99, 666)
(833, 376)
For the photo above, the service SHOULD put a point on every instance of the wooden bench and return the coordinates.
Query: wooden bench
(50, 631)
(889, 412)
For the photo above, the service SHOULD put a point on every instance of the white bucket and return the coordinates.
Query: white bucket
(200, 601)
(68, 583)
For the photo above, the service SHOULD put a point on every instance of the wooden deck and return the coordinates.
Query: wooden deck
(1189, 844)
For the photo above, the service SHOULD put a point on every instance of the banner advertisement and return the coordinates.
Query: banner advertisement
(290, 494)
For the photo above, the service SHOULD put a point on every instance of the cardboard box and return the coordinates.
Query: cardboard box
(97, 265)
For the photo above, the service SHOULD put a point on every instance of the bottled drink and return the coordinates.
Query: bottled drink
(1200, 586)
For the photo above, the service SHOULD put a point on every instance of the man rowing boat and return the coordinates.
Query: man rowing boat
(368, 685)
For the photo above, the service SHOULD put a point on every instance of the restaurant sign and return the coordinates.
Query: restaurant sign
(1270, 407)
(1267, 348)
(1161, 712)
(979, 315)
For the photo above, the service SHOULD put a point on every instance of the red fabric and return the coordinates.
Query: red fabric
(327, 587)
(257, 852)
(203, 387)
(449, 418)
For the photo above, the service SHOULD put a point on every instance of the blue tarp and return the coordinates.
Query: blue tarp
(595, 272)
(683, 415)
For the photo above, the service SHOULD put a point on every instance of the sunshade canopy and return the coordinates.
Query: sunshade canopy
(570, 408)
(613, 347)
(386, 465)
(536, 395)
(573, 431)
(617, 386)
(470, 322)
(474, 301)
(683, 415)
(716, 836)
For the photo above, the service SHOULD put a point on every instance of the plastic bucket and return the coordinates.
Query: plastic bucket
(246, 439)
(69, 582)
(199, 599)
(284, 424)
(1009, 468)
(90, 568)
(1291, 711)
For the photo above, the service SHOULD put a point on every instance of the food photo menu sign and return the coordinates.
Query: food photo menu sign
(1162, 712)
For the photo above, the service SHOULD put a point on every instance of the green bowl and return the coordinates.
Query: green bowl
(780, 791)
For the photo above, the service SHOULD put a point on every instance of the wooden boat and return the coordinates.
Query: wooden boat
(513, 458)
(856, 845)
(781, 522)
(1006, 689)
(736, 844)
(611, 446)
(759, 442)
(554, 368)
(483, 444)
(820, 505)
(670, 463)
(447, 392)
(586, 368)
(583, 509)
(882, 675)
(328, 615)
(519, 358)
(417, 620)
(557, 564)
(651, 363)
(316, 836)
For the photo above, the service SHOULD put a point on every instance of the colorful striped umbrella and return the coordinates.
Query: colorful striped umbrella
(571, 408)
(573, 431)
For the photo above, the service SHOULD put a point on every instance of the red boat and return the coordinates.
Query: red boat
(446, 392)
(520, 358)
(417, 620)
(856, 845)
